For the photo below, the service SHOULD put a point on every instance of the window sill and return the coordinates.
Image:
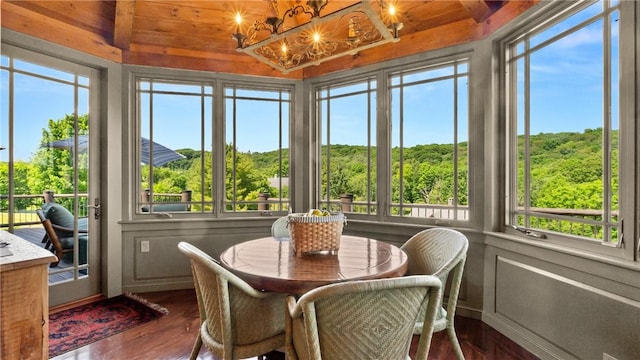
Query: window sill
(585, 254)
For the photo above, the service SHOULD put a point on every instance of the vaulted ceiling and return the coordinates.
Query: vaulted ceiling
(196, 34)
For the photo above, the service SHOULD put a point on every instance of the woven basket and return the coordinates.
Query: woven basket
(312, 234)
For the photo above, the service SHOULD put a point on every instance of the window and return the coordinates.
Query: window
(196, 146)
(563, 126)
(429, 142)
(257, 155)
(175, 147)
(348, 146)
(48, 153)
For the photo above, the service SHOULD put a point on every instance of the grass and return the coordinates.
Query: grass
(19, 217)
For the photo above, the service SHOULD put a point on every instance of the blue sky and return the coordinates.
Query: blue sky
(566, 97)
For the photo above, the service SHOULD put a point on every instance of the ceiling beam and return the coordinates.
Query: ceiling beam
(479, 9)
(18, 18)
(123, 27)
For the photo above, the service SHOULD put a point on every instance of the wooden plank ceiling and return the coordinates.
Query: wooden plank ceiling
(196, 34)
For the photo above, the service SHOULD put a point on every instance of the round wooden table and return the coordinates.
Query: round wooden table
(269, 264)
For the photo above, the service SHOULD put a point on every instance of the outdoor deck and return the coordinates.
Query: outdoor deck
(35, 234)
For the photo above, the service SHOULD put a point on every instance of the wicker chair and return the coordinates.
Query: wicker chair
(279, 228)
(439, 251)
(237, 321)
(366, 319)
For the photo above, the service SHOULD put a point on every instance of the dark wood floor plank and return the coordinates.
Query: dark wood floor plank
(171, 337)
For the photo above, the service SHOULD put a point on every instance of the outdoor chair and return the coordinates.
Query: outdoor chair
(58, 224)
(59, 245)
(279, 229)
(439, 252)
(237, 321)
(366, 319)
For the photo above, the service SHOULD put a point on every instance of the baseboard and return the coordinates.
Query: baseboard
(143, 288)
(468, 312)
(525, 338)
(72, 304)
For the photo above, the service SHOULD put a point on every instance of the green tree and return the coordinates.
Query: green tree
(53, 168)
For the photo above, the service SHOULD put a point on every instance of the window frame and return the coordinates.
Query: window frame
(140, 204)
(455, 77)
(551, 14)
(382, 74)
(217, 126)
(370, 91)
(283, 206)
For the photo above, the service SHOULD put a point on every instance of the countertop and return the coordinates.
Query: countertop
(23, 253)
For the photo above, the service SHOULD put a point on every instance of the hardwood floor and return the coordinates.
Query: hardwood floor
(171, 337)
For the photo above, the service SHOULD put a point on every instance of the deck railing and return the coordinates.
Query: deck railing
(24, 207)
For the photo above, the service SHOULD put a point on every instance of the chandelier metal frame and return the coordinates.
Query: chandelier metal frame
(344, 32)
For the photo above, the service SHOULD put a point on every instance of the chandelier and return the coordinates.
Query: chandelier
(286, 45)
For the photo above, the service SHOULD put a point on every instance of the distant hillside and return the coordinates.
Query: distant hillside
(566, 169)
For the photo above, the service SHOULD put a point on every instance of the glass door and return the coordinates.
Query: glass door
(48, 186)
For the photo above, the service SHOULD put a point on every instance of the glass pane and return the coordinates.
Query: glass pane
(42, 70)
(521, 163)
(256, 132)
(176, 148)
(177, 88)
(429, 145)
(563, 175)
(462, 150)
(427, 75)
(348, 89)
(348, 151)
(567, 24)
(4, 137)
(568, 129)
(50, 155)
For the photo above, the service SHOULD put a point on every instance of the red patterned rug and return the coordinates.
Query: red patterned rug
(82, 325)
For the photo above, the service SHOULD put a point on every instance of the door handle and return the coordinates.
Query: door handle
(96, 208)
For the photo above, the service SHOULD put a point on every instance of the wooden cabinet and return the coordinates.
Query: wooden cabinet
(24, 299)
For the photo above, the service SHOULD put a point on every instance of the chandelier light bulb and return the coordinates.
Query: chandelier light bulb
(392, 10)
